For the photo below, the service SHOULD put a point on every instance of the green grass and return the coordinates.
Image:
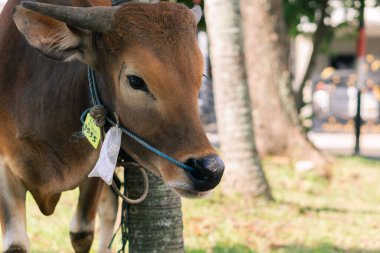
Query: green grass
(311, 214)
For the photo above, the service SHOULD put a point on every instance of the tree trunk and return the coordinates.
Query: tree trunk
(155, 225)
(244, 172)
(277, 126)
(317, 41)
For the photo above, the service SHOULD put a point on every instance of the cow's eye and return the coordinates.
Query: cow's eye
(137, 83)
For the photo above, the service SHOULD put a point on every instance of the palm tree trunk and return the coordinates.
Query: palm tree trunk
(244, 173)
(155, 225)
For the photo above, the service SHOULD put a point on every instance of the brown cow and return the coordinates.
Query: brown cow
(149, 70)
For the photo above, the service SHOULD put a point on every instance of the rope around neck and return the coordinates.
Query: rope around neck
(146, 186)
(98, 112)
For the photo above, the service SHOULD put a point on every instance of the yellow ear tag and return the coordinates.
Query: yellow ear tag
(91, 131)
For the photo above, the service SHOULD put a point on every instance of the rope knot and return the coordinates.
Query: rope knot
(98, 112)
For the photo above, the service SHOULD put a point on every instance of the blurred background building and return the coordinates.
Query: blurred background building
(332, 93)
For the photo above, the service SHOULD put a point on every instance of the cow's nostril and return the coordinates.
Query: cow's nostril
(207, 172)
(196, 173)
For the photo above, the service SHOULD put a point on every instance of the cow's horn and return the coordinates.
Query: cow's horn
(197, 11)
(97, 19)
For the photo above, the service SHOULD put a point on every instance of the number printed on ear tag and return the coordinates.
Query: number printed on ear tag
(91, 131)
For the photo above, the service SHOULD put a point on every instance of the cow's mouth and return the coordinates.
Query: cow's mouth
(191, 194)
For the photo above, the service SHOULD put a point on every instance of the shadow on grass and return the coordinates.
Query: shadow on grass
(224, 249)
(370, 158)
(321, 248)
(307, 209)
(274, 248)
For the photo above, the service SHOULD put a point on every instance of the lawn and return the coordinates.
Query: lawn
(311, 214)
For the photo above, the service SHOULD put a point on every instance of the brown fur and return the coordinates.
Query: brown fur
(164, 20)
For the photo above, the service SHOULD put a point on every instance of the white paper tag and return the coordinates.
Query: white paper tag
(106, 164)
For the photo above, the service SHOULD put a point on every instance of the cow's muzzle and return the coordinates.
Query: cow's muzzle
(208, 172)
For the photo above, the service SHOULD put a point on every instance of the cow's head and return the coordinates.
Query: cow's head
(149, 68)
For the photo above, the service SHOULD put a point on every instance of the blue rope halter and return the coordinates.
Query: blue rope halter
(95, 99)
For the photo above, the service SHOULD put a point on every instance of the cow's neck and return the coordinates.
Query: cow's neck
(47, 99)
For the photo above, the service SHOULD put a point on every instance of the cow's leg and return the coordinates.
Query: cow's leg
(107, 211)
(12, 212)
(83, 223)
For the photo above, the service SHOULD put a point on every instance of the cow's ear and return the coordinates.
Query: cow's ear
(51, 37)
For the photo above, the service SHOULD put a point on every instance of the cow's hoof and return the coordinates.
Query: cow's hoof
(82, 241)
(15, 249)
